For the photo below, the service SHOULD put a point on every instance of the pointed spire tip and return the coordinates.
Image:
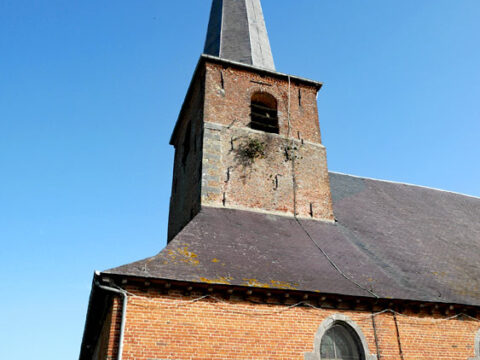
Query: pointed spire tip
(237, 32)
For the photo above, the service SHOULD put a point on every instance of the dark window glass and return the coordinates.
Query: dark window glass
(340, 343)
(264, 114)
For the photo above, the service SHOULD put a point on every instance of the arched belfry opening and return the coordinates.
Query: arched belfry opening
(264, 113)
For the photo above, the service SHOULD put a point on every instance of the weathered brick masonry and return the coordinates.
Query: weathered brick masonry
(187, 167)
(107, 346)
(291, 175)
(268, 182)
(229, 89)
(175, 327)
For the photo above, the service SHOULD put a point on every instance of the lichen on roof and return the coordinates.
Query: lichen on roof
(396, 240)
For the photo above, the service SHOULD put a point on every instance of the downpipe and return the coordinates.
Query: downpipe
(124, 315)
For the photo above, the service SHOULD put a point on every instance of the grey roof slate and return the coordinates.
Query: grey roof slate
(390, 240)
(237, 32)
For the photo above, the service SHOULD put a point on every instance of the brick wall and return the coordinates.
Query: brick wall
(228, 92)
(290, 175)
(265, 183)
(107, 344)
(294, 155)
(175, 328)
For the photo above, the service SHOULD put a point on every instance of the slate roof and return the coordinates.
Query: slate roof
(390, 240)
(237, 32)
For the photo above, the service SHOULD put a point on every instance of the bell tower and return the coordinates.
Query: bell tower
(247, 137)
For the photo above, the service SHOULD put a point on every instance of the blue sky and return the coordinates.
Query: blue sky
(90, 91)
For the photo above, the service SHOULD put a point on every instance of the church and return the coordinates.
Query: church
(270, 255)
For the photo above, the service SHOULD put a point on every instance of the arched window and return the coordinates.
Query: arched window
(339, 338)
(264, 113)
(341, 343)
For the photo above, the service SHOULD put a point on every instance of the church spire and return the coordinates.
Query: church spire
(237, 32)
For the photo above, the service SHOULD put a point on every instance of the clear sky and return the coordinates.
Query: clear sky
(90, 91)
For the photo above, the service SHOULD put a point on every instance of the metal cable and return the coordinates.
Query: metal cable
(294, 182)
(375, 336)
(398, 336)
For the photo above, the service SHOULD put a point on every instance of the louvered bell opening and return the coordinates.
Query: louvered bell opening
(264, 114)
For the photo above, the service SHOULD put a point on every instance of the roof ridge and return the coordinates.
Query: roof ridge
(407, 184)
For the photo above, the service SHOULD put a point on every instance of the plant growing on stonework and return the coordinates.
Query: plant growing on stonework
(251, 150)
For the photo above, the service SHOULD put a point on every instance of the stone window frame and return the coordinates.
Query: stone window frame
(334, 320)
(477, 347)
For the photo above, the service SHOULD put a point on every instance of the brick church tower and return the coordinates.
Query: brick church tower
(247, 136)
(270, 255)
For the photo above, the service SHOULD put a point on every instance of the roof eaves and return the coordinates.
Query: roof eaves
(152, 279)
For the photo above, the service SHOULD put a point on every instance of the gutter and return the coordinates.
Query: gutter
(123, 293)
